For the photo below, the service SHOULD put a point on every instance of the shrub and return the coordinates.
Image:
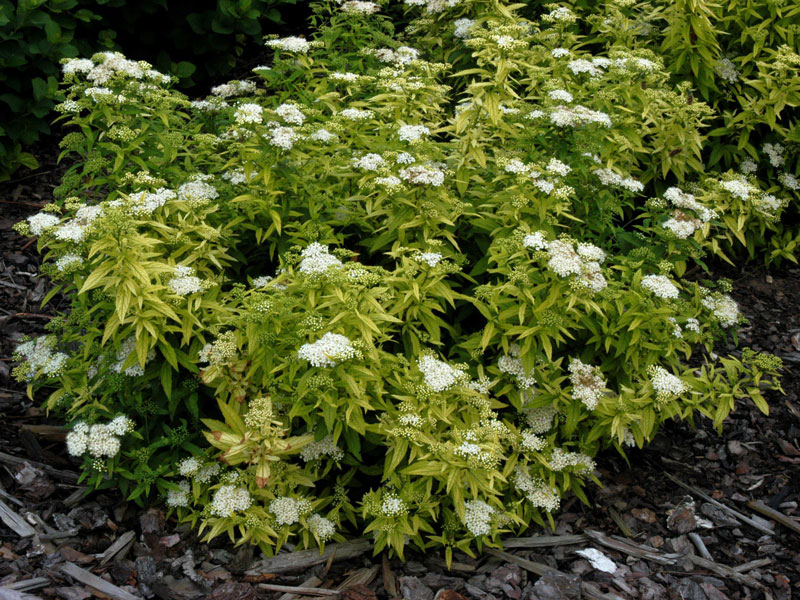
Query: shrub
(391, 308)
(35, 35)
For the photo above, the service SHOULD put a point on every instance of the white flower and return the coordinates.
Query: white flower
(512, 365)
(360, 7)
(789, 181)
(316, 260)
(68, 261)
(478, 517)
(77, 65)
(354, 114)
(290, 44)
(369, 162)
(561, 459)
(188, 467)
(234, 88)
(748, 166)
(665, 383)
(563, 259)
(562, 95)
(196, 192)
(535, 240)
(438, 375)
(78, 439)
(775, 153)
(532, 442)
(323, 135)
(540, 495)
(412, 133)
(322, 528)
(738, 187)
(179, 497)
(559, 52)
(291, 114)
(591, 252)
(724, 309)
(392, 506)
(461, 27)
(328, 351)
(587, 385)
(582, 65)
(230, 499)
(144, 203)
(248, 113)
(324, 447)
(184, 282)
(40, 355)
(726, 70)
(609, 177)
(121, 425)
(573, 116)
(540, 419)
(404, 158)
(347, 77)
(421, 175)
(431, 258)
(681, 199)
(102, 441)
(283, 137)
(660, 285)
(205, 474)
(288, 510)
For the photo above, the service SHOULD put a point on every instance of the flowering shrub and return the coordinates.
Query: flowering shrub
(405, 287)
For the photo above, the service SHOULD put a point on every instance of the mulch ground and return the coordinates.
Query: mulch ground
(695, 515)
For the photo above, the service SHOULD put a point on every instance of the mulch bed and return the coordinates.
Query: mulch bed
(695, 515)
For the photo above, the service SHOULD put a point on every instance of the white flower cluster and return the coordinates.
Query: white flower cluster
(461, 28)
(536, 491)
(112, 64)
(738, 187)
(230, 499)
(724, 309)
(412, 133)
(144, 203)
(290, 44)
(559, 52)
(726, 70)
(328, 351)
(101, 439)
(402, 56)
(393, 506)
(359, 7)
(680, 223)
(404, 158)
(748, 166)
(323, 135)
(41, 357)
(179, 497)
(316, 260)
(196, 192)
(587, 384)
(562, 95)
(324, 447)
(369, 162)
(789, 181)
(323, 529)
(344, 76)
(574, 116)
(540, 419)
(291, 114)
(660, 285)
(68, 261)
(478, 517)
(531, 441)
(438, 375)
(511, 363)
(581, 65)
(236, 176)
(609, 177)
(665, 383)
(775, 154)
(288, 510)
(565, 260)
(234, 88)
(769, 204)
(75, 229)
(535, 240)
(556, 167)
(421, 175)
(42, 221)
(248, 113)
(561, 459)
(188, 467)
(430, 258)
(355, 114)
(220, 351)
(282, 137)
(184, 282)
(434, 6)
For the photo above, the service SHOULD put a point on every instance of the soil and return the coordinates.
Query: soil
(653, 531)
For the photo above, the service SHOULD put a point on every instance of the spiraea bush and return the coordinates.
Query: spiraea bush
(403, 285)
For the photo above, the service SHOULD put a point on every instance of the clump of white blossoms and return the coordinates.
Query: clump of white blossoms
(68, 261)
(726, 70)
(422, 175)
(288, 510)
(681, 224)
(322, 528)
(282, 137)
(291, 114)
(144, 203)
(360, 7)
(535, 490)
(316, 260)
(587, 384)
(234, 88)
(179, 497)
(196, 192)
(101, 439)
(188, 467)
(184, 282)
(290, 44)
(438, 375)
(41, 357)
(248, 113)
(738, 187)
(540, 419)
(369, 162)
(665, 383)
(430, 258)
(323, 135)
(789, 181)
(230, 499)
(330, 350)
(660, 285)
(564, 260)
(393, 506)
(536, 240)
(562, 95)
(355, 114)
(126, 349)
(40, 222)
(412, 133)
(561, 459)
(531, 441)
(724, 309)
(75, 229)
(609, 177)
(324, 447)
(478, 517)
(461, 27)
(775, 154)
(511, 363)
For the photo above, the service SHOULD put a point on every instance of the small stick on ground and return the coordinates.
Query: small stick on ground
(92, 580)
(14, 522)
(700, 545)
(65, 476)
(297, 590)
(126, 539)
(545, 541)
(775, 515)
(310, 583)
